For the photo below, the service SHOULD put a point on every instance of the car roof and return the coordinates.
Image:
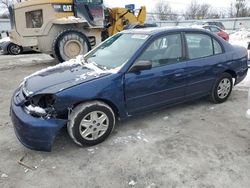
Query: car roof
(158, 30)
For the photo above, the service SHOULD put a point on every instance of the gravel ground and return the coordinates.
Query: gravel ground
(196, 144)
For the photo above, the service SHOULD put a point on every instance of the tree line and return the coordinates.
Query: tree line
(164, 11)
(196, 10)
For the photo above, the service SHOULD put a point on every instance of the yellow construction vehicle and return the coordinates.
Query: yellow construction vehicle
(67, 28)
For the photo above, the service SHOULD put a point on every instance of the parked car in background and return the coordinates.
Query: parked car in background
(223, 34)
(7, 47)
(130, 73)
(218, 24)
(215, 23)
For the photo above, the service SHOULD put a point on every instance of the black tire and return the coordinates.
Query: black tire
(14, 49)
(66, 37)
(82, 113)
(220, 97)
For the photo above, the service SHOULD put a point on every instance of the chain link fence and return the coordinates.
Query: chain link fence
(178, 20)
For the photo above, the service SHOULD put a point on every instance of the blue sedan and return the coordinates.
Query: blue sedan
(130, 73)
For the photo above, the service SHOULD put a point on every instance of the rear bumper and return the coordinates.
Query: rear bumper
(34, 133)
(241, 75)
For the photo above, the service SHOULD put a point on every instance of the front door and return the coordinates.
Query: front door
(164, 83)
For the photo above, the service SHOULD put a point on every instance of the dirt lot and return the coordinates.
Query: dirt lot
(197, 144)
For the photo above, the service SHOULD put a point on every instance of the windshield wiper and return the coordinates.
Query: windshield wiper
(100, 66)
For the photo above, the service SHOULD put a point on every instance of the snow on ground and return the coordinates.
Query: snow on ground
(240, 37)
(5, 39)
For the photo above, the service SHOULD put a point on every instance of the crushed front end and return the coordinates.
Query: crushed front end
(35, 120)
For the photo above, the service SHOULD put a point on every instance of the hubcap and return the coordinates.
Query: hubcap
(73, 48)
(15, 49)
(224, 88)
(94, 125)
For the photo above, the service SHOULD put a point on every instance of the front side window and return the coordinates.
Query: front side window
(34, 19)
(163, 51)
(199, 45)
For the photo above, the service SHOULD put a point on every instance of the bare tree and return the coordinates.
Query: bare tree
(4, 3)
(192, 10)
(203, 11)
(197, 11)
(231, 13)
(163, 11)
(241, 8)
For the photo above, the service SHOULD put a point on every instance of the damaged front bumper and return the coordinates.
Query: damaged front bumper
(33, 132)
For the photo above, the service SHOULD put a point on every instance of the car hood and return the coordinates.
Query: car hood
(60, 77)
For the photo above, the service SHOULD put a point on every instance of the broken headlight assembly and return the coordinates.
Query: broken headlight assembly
(34, 19)
(41, 105)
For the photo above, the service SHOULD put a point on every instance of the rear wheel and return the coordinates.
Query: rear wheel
(14, 49)
(69, 44)
(91, 123)
(222, 88)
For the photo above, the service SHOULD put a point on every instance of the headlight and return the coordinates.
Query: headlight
(41, 105)
(34, 19)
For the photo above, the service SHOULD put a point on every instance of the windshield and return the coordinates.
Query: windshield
(116, 51)
(90, 1)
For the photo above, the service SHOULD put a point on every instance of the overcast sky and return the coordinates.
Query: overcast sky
(177, 5)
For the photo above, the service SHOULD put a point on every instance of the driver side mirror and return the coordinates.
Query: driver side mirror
(141, 65)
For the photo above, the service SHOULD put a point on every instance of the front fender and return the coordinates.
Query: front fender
(109, 88)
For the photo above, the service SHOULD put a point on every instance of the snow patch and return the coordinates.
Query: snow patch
(96, 72)
(5, 39)
(165, 118)
(132, 138)
(73, 62)
(36, 109)
(92, 150)
(79, 60)
(4, 176)
(132, 183)
(240, 37)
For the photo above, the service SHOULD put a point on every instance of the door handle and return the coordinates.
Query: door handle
(178, 72)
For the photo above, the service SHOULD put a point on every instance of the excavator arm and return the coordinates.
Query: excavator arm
(120, 17)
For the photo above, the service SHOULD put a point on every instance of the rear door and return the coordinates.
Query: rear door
(204, 55)
(164, 83)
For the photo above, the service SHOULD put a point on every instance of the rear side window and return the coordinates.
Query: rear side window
(199, 45)
(217, 47)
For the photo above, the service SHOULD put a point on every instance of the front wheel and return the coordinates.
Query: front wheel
(222, 88)
(91, 123)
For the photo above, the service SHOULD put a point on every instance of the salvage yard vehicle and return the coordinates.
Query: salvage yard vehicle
(67, 28)
(7, 47)
(129, 73)
(218, 31)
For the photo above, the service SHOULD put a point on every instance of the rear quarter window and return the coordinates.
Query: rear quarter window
(217, 47)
